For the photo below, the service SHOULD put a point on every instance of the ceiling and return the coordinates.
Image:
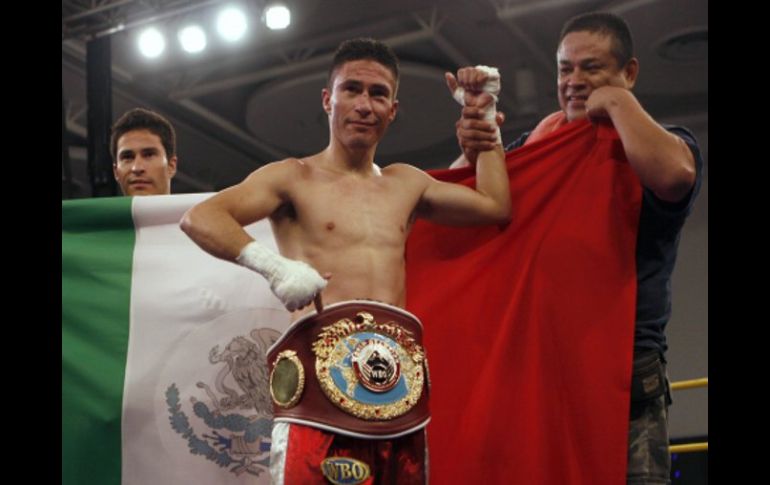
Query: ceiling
(237, 107)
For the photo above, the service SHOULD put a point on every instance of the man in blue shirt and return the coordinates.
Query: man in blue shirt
(597, 71)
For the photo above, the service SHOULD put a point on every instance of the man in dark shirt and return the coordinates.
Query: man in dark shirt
(597, 71)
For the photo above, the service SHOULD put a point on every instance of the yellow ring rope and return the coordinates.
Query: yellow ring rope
(689, 447)
(692, 383)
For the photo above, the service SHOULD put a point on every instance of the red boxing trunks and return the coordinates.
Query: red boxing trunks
(301, 455)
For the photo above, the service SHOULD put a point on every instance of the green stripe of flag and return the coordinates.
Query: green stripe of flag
(97, 251)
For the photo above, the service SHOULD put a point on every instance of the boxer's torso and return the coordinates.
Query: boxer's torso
(351, 225)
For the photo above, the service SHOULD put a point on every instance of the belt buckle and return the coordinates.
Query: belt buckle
(371, 370)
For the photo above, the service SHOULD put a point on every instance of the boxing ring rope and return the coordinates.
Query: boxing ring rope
(689, 447)
(692, 383)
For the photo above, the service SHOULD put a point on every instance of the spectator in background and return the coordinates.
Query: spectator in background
(143, 149)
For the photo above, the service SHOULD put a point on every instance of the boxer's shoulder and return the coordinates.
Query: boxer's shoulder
(403, 170)
(288, 169)
(407, 175)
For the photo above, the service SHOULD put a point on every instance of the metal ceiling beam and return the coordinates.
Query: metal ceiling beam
(546, 61)
(123, 20)
(630, 5)
(275, 72)
(519, 10)
(95, 10)
(231, 128)
(513, 12)
(288, 50)
(460, 59)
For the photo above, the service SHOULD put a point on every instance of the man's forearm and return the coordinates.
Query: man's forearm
(295, 283)
(492, 180)
(215, 231)
(663, 161)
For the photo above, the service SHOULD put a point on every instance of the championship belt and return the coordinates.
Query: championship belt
(356, 369)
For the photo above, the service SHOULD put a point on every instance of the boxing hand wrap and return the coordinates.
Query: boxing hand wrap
(492, 86)
(295, 283)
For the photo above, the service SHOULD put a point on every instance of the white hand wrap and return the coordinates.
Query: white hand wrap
(295, 283)
(492, 87)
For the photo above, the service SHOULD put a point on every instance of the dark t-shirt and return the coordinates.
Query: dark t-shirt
(660, 226)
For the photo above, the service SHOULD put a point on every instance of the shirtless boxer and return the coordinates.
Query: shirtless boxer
(348, 383)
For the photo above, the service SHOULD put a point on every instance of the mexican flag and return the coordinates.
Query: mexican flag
(163, 350)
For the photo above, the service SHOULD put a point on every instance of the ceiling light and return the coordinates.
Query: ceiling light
(231, 24)
(151, 43)
(192, 38)
(277, 17)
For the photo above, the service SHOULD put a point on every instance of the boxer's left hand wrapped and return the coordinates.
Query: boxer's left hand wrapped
(469, 87)
(295, 283)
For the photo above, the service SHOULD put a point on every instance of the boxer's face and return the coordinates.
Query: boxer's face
(141, 167)
(361, 104)
(586, 63)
